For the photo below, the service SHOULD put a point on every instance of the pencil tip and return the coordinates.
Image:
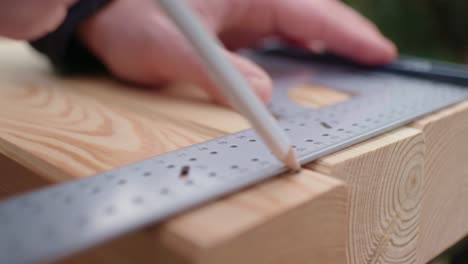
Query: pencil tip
(291, 161)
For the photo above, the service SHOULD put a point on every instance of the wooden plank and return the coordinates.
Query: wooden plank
(385, 178)
(56, 131)
(180, 102)
(407, 188)
(64, 129)
(25, 180)
(297, 218)
(445, 200)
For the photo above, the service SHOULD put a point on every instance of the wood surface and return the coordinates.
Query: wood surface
(385, 178)
(445, 199)
(397, 198)
(68, 128)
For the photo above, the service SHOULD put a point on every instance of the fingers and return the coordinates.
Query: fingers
(30, 19)
(341, 29)
(139, 43)
(258, 79)
(153, 51)
(318, 24)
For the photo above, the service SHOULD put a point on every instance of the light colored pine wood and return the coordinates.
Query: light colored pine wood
(445, 200)
(400, 207)
(314, 96)
(64, 129)
(297, 218)
(25, 180)
(179, 102)
(57, 131)
(385, 176)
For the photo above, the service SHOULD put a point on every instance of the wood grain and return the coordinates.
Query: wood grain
(314, 96)
(176, 102)
(296, 218)
(402, 195)
(68, 128)
(445, 200)
(50, 124)
(385, 176)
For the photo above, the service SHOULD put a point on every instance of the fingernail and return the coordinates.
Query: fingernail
(317, 46)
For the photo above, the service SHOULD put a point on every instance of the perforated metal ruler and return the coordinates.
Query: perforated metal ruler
(53, 222)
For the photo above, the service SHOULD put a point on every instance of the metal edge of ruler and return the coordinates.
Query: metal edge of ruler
(56, 221)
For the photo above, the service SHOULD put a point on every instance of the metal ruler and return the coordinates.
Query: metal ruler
(54, 222)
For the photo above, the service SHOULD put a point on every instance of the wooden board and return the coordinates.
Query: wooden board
(385, 200)
(105, 128)
(385, 178)
(445, 200)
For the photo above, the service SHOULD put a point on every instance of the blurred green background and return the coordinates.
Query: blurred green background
(428, 28)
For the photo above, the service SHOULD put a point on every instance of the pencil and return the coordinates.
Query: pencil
(231, 81)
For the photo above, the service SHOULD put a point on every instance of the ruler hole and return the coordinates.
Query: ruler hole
(184, 172)
(325, 135)
(137, 200)
(325, 125)
(309, 140)
(340, 129)
(82, 222)
(68, 200)
(234, 167)
(233, 146)
(170, 166)
(189, 183)
(355, 124)
(122, 182)
(212, 174)
(302, 124)
(252, 140)
(293, 146)
(254, 160)
(193, 159)
(287, 129)
(164, 191)
(49, 232)
(147, 174)
(109, 210)
(96, 190)
(213, 152)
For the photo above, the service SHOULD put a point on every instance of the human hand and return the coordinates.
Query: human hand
(138, 43)
(31, 19)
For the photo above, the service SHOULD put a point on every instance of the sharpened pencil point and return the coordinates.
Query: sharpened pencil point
(291, 161)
